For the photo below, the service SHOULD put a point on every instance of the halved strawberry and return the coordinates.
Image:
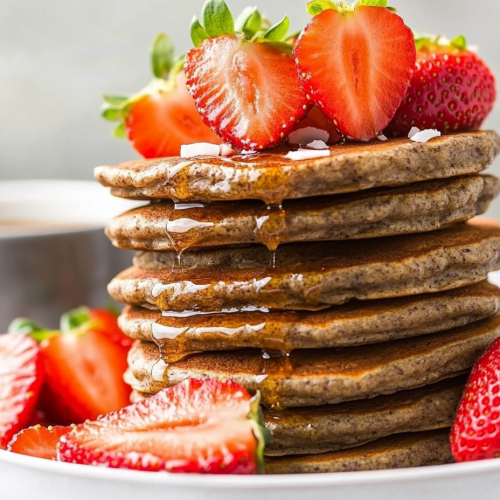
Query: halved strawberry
(452, 89)
(38, 441)
(83, 376)
(84, 369)
(101, 320)
(355, 63)
(162, 117)
(197, 426)
(244, 85)
(21, 377)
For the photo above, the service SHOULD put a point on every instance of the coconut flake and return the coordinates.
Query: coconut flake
(381, 137)
(227, 150)
(307, 154)
(199, 149)
(413, 131)
(307, 135)
(425, 135)
(317, 144)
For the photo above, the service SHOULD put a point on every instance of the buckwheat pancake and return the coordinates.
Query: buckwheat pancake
(393, 452)
(351, 324)
(273, 178)
(421, 207)
(323, 376)
(321, 429)
(312, 275)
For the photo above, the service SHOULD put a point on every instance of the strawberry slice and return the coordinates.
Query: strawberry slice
(355, 63)
(21, 376)
(475, 434)
(162, 117)
(38, 441)
(84, 368)
(244, 85)
(84, 376)
(197, 426)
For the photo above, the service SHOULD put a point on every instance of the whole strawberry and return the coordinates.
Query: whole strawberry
(243, 79)
(452, 89)
(475, 435)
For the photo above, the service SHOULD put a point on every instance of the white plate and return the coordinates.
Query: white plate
(26, 478)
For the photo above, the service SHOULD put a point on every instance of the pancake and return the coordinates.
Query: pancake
(394, 452)
(322, 429)
(323, 376)
(312, 275)
(273, 178)
(354, 323)
(421, 207)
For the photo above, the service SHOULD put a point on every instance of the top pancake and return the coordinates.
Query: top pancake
(272, 178)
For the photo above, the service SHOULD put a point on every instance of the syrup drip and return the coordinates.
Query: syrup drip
(276, 366)
(181, 334)
(184, 232)
(272, 230)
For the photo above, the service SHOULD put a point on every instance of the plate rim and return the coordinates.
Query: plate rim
(359, 479)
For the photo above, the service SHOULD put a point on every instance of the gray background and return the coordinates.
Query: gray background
(58, 56)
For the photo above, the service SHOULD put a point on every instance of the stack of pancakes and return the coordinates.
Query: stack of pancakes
(360, 320)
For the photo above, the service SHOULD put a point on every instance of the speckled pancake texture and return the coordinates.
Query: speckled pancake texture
(324, 376)
(354, 323)
(418, 208)
(312, 275)
(273, 178)
(393, 452)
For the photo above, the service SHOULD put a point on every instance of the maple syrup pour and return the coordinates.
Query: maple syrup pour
(180, 334)
(184, 232)
(272, 230)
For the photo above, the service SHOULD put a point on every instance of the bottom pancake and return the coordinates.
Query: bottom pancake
(394, 452)
(335, 427)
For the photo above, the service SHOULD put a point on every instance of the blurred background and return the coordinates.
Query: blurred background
(58, 56)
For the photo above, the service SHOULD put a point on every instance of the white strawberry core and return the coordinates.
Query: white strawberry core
(318, 145)
(425, 135)
(307, 135)
(307, 154)
(199, 149)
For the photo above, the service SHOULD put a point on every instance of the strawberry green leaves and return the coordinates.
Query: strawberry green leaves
(279, 31)
(249, 22)
(318, 6)
(162, 56)
(459, 42)
(198, 33)
(217, 18)
(429, 41)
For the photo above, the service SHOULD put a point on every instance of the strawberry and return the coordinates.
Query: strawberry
(355, 63)
(244, 82)
(84, 369)
(451, 89)
(197, 426)
(101, 320)
(21, 376)
(475, 434)
(162, 117)
(38, 441)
